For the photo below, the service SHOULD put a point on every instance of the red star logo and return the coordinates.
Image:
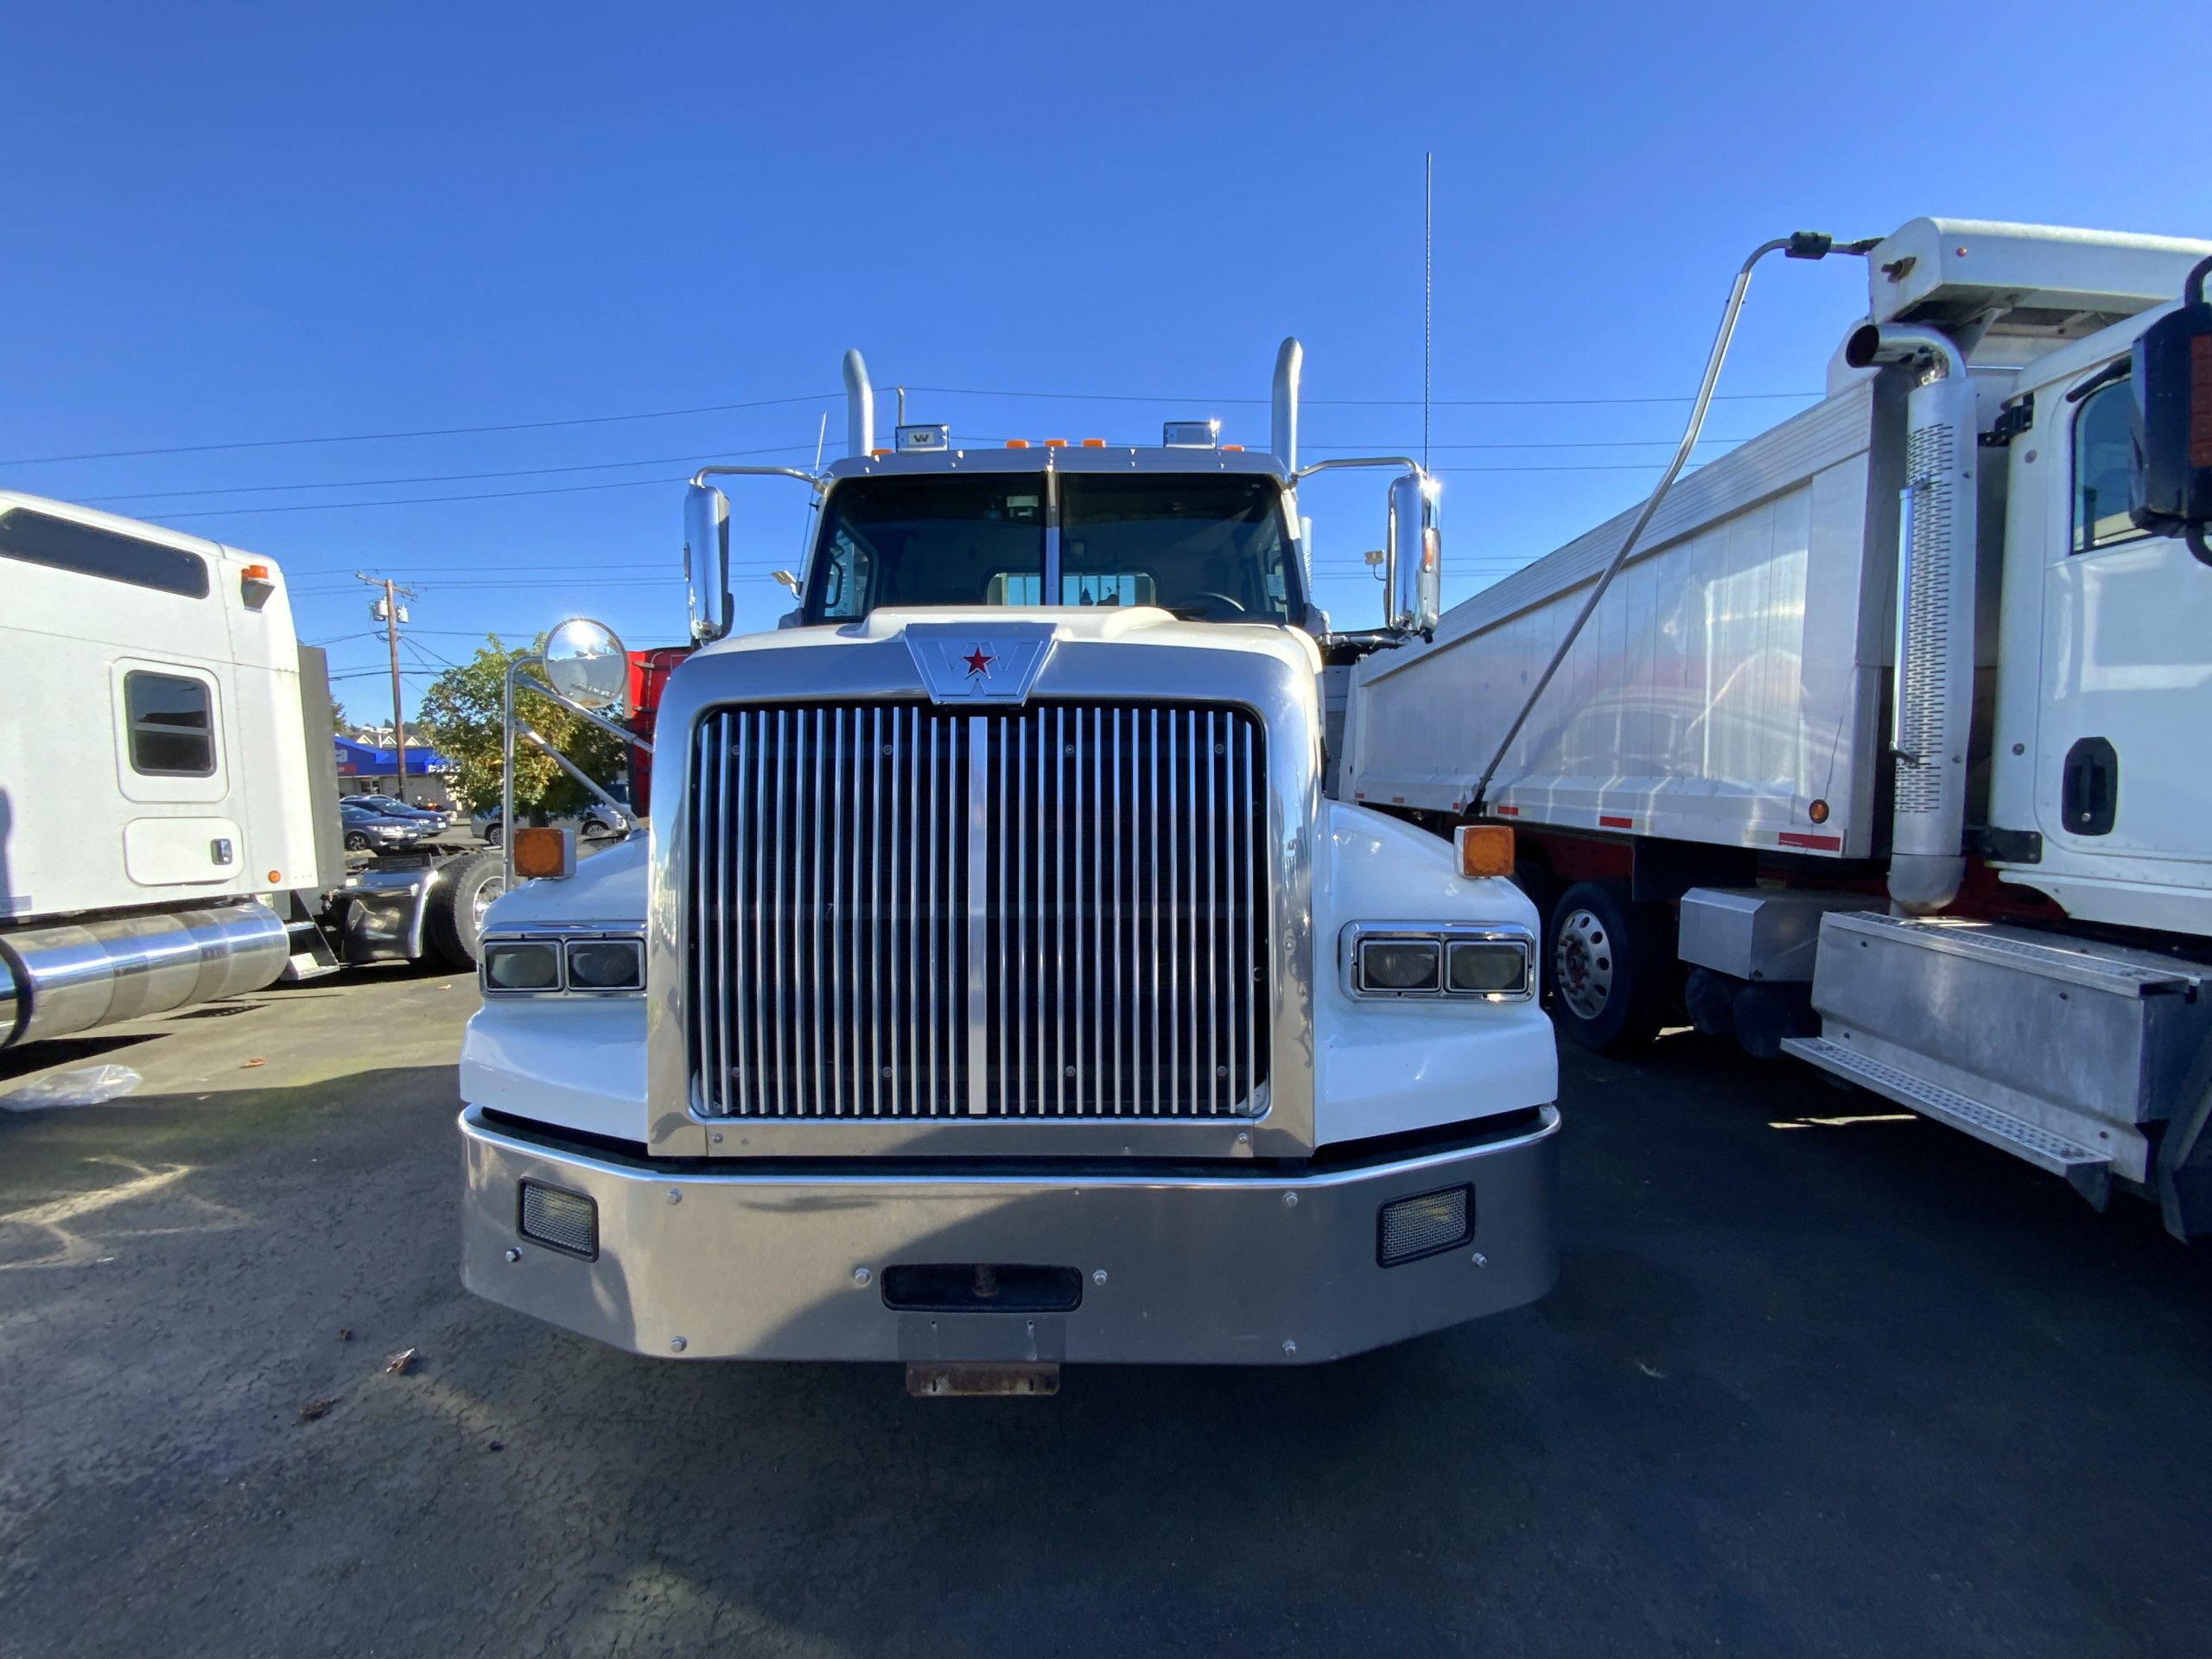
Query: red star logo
(979, 662)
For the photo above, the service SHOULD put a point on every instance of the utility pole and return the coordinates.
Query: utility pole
(387, 610)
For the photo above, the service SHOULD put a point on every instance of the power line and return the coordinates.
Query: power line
(947, 392)
(455, 478)
(422, 432)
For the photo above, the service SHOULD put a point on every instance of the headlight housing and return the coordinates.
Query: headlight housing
(580, 961)
(1442, 962)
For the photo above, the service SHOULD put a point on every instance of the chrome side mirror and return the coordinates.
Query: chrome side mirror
(586, 663)
(706, 561)
(1412, 556)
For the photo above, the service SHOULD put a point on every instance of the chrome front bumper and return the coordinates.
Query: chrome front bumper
(1249, 1267)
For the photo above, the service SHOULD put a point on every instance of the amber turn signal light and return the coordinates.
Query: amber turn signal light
(544, 850)
(1485, 849)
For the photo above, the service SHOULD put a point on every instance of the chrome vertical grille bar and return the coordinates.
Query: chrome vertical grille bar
(1115, 830)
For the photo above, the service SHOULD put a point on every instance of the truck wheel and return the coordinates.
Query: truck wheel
(466, 889)
(1609, 967)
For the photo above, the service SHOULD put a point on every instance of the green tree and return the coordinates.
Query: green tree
(461, 716)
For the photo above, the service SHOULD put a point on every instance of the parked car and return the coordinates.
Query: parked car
(393, 807)
(369, 830)
(597, 821)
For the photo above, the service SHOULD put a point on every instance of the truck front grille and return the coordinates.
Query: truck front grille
(897, 911)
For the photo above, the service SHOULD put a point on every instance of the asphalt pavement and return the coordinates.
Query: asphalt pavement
(1816, 1380)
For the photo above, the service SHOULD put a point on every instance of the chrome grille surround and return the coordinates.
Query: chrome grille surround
(1050, 911)
(1265, 688)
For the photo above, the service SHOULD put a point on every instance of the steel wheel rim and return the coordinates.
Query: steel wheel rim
(483, 896)
(1583, 964)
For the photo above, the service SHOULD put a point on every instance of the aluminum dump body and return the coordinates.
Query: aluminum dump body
(1732, 678)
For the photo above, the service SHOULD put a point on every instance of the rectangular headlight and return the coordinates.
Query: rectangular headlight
(1489, 967)
(1400, 965)
(605, 965)
(522, 965)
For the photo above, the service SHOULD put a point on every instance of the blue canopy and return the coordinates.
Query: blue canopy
(358, 759)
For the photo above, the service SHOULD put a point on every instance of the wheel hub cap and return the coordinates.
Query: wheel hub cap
(1583, 959)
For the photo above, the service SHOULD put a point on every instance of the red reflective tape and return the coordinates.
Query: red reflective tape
(1397, 800)
(1818, 843)
(1359, 794)
(1508, 811)
(1611, 823)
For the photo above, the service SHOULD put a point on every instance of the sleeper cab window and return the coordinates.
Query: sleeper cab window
(172, 725)
(2104, 468)
(65, 544)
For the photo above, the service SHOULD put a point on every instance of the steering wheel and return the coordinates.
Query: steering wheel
(1221, 600)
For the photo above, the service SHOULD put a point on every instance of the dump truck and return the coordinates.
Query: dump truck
(1879, 740)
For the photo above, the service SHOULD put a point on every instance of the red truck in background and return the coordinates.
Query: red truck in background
(649, 672)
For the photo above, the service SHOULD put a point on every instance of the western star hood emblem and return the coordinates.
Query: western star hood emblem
(959, 663)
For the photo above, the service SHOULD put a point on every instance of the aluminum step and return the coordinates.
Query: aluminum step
(2088, 963)
(311, 956)
(2089, 1172)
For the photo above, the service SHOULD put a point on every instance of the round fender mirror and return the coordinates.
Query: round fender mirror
(587, 664)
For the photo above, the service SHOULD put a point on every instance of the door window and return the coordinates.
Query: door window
(172, 725)
(2104, 468)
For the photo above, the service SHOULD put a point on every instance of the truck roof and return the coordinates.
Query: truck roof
(1060, 458)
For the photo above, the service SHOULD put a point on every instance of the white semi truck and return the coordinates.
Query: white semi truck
(1980, 885)
(169, 798)
(996, 986)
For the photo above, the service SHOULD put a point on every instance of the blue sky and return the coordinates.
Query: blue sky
(228, 225)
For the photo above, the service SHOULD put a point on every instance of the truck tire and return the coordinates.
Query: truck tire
(466, 887)
(1610, 967)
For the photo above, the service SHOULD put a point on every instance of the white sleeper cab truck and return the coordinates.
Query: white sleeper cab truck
(996, 986)
(1884, 746)
(168, 795)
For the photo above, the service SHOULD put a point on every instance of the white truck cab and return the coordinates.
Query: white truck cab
(995, 985)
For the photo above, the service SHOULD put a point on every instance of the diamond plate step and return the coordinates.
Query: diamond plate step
(2089, 1172)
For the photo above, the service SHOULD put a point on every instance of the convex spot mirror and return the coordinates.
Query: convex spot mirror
(706, 560)
(2172, 420)
(1414, 556)
(586, 663)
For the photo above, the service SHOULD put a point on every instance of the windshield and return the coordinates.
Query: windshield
(1205, 545)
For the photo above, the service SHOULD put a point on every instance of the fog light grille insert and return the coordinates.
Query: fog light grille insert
(564, 1221)
(1412, 1228)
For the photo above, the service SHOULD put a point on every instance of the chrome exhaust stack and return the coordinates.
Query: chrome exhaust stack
(1931, 703)
(70, 976)
(860, 408)
(1282, 436)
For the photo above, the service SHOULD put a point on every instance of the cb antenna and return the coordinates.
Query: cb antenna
(1428, 288)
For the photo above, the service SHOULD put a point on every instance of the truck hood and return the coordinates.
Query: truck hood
(1143, 625)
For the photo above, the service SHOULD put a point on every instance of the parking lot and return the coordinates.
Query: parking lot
(1817, 1379)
